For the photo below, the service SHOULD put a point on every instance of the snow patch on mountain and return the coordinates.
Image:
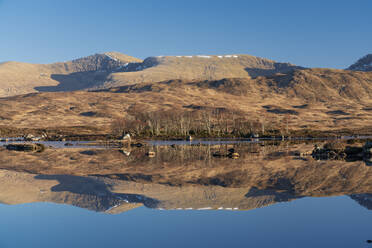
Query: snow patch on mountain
(200, 56)
(111, 57)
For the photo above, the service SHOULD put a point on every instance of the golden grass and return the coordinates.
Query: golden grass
(320, 100)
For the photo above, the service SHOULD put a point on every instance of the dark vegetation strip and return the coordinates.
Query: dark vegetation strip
(197, 122)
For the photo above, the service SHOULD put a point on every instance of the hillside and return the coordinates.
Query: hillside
(116, 69)
(245, 92)
(311, 99)
(21, 78)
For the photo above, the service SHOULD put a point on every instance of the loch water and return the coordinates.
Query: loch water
(274, 194)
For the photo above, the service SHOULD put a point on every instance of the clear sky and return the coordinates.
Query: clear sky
(316, 33)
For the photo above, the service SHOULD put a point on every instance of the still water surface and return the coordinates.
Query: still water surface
(184, 196)
(309, 222)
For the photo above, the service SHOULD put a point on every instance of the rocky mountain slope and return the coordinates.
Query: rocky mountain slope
(201, 67)
(21, 78)
(363, 64)
(115, 69)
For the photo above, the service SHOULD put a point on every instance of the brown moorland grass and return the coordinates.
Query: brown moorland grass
(313, 99)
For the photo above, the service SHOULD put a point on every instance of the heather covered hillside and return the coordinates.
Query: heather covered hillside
(302, 100)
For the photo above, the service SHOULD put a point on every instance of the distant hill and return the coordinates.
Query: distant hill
(310, 85)
(363, 64)
(200, 67)
(21, 78)
(116, 69)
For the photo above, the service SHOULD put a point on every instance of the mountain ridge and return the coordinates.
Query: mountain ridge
(113, 69)
(22, 78)
(198, 67)
(94, 91)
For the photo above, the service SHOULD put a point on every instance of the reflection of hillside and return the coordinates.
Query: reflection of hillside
(263, 167)
(17, 188)
(115, 196)
(177, 177)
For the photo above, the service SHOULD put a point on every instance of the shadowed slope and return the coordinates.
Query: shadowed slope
(363, 64)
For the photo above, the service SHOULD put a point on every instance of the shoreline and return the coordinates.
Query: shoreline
(85, 133)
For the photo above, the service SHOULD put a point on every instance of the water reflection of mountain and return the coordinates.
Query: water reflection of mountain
(364, 200)
(113, 196)
(188, 177)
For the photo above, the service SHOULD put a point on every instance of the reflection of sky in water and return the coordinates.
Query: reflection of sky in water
(309, 222)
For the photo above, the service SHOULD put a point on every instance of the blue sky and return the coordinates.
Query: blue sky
(314, 33)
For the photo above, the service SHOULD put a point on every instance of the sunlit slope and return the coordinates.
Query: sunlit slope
(21, 78)
(318, 99)
(201, 67)
(116, 69)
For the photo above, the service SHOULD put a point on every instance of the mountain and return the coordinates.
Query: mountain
(199, 67)
(116, 69)
(112, 85)
(21, 78)
(363, 64)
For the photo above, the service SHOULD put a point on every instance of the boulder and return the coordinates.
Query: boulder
(28, 137)
(125, 152)
(234, 155)
(334, 146)
(218, 155)
(126, 137)
(26, 147)
(151, 154)
(331, 150)
(136, 145)
(367, 148)
(340, 151)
